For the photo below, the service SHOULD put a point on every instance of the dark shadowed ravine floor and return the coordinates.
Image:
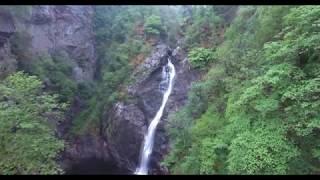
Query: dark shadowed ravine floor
(94, 166)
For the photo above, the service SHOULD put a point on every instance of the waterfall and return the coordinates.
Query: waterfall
(168, 73)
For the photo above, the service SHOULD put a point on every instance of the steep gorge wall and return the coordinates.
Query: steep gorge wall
(52, 29)
(67, 28)
(70, 29)
(8, 62)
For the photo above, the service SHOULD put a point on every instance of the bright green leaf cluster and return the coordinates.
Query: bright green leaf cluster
(28, 143)
(201, 57)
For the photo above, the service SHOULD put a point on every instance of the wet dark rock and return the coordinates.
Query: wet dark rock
(124, 131)
(85, 147)
(131, 120)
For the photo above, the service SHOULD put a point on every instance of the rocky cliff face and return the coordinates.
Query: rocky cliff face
(53, 29)
(65, 28)
(7, 28)
(129, 121)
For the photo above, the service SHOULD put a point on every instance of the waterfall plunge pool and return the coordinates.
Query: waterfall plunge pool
(95, 166)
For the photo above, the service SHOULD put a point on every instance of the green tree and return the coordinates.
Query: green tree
(153, 25)
(201, 57)
(28, 116)
(262, 151)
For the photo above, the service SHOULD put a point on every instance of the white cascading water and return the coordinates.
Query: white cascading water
(168, 75)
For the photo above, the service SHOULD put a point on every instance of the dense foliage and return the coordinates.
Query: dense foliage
(200, 57)
(257, 109)
(201, 26)
(153, 25)
(28, 144)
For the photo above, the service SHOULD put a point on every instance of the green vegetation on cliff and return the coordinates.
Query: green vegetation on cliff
(257, 109)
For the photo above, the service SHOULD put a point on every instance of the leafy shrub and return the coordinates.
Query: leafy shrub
(201, 57)
(153, 25)
(260, 152)
(27, 138)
